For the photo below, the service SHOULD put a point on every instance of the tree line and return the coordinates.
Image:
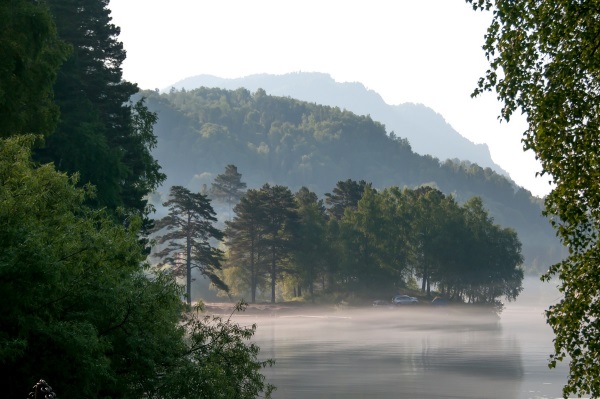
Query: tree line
(357, 242)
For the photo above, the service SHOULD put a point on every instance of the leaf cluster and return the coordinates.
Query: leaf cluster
(545, 62)
(82, 310)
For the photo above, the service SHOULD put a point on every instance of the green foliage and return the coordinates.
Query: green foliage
(311, 247)
(395, 235)
(345, 194)
(80, 308)
(380, 244)
(433, 218)
(100, 135)
(261, 234)
(545, 62)
(30, 55)
(77, 309)
(244, 239)
(228, 187)
(220, 364)
(280, 228)
(188, 233)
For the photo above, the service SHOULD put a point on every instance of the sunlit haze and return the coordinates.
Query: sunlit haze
(425, 52)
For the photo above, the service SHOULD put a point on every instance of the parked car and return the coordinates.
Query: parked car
(404, 299)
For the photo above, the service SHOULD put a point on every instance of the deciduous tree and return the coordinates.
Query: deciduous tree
(545, 62)
(77, 307)
(30, 56)
(81, 309)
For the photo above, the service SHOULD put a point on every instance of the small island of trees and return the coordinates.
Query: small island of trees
(359, 243)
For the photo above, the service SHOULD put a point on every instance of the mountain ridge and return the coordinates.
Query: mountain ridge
(426, 130)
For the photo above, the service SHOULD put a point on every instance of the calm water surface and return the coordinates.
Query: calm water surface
(412, 352)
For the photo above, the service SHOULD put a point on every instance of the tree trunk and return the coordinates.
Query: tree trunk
(273, 275)
(425, 277)
(252, 280)
(188, 263)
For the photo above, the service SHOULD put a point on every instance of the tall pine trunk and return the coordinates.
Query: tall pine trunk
(188, 263)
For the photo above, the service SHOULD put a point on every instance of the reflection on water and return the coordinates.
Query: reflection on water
(415, 352)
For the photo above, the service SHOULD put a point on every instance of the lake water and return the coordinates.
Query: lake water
(413, 352)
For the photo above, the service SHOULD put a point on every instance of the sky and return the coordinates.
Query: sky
(415, 51)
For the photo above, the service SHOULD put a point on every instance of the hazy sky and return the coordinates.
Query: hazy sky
(420, 51)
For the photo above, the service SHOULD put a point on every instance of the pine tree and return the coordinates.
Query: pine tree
(189, 232)
(245, 233)
(280, 229)
(346, 194)
(312, 248)
(101, 135)
(228, 187)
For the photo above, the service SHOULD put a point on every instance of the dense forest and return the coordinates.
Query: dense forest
(284, 141)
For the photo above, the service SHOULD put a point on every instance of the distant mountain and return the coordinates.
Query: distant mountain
(427, 131)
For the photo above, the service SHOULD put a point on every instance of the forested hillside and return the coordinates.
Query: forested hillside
(426, 130)
(284, 141)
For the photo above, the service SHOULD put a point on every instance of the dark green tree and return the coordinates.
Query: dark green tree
(492, 265)
(30, 56)
(361, 228)
(280, 227)
(245, 234)
(81, 309)
(101, 134)
(432, 239)
(262, 235)
(77, 309)
(220, 364)
(311, 249)
(189, 235)
(345, 194)
(544, 63)
(228, 187)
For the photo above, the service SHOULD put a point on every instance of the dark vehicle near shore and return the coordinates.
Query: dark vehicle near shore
(439, 301)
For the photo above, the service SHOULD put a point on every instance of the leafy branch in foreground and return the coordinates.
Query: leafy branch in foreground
(545, 62)
(224, 364)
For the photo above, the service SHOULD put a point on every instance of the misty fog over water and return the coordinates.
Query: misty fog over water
(413, 352)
